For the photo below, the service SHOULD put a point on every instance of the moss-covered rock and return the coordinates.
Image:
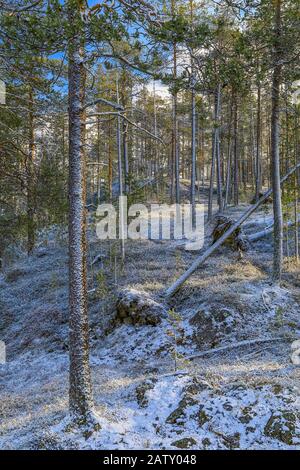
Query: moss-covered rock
(137, 308)
(232, 441)
(212, 324)
(281, 426)
(184, 443)
(202, 417)
(247, 414)
(177, 416)
(141, 391)
(206, 442)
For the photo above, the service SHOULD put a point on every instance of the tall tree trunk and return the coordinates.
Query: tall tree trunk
(80, 393)
(110, 163)
(30, 176)
(275, 142)
(98, 161)
(258, 144)
(217, 142)
(212, 176)
(156, 153)
(229, 159)
(193, 143)
(125, 156)
(235, 155)
(120, 172)
(193, 156)
(215, 158)
(175, 147)
(123, 101)
(296, 195)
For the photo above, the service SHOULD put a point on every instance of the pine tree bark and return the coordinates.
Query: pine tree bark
(120, 173)
(110, 162)
(229, 160)
(235, 154)
(212, 177)
(193, 159)
(215, 161)
(30, 175)
(98, 161)
(275, 142)
(217, 141)
(175, 146)
(193, 143)
(80, 392)
(258, 145)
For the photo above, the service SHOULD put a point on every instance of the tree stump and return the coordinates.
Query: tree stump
(237, 241)
(137, 308)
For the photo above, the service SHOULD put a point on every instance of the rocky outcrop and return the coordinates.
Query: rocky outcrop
(137, 308)
(212, 324)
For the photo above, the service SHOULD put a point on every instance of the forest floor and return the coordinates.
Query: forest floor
(243, 397)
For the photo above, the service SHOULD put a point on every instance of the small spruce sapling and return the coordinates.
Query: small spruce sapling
(102, 288)
(175, 333)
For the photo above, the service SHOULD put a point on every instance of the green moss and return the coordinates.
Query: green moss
(277, 389)
(176, 417)
(202, 417)
(141, 391)
(206, 442)
(247, 415)
(184, 443)
(232, 442)
(281, 427)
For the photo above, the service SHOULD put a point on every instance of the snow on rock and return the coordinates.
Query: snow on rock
(235, 400)
(213, 324)
(137, 308)
(190, 412)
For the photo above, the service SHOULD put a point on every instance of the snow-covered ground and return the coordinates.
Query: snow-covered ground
(243, 397)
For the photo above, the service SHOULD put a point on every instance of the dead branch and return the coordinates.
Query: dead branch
(143, 130)
(104, 101)
(236, 345)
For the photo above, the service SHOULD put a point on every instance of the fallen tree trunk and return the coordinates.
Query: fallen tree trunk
(258, 235)
(177, 284)
(240, 344)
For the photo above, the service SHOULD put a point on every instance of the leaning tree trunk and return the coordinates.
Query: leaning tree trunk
(275, 142)
(80, 393)
(198, 261)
